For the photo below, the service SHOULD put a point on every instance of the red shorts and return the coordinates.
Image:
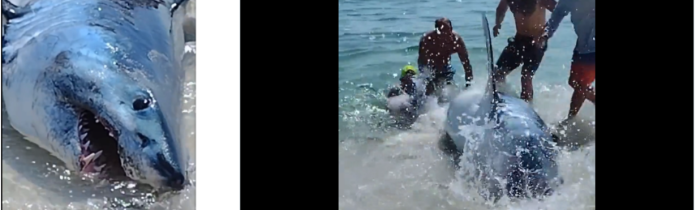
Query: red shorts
(582, 72)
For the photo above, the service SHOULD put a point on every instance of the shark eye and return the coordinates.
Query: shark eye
(141, 103)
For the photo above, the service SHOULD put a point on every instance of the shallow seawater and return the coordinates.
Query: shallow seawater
(382, 167)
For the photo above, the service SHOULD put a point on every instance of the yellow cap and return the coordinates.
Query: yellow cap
(407, 69)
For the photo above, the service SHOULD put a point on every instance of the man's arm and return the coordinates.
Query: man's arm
(549, 4)
(422, 58)
(500, 12)
(464, 57)
(561, 10)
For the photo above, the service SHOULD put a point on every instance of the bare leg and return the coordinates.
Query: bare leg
(509, 60)
(578, 98)
(500, 76)
(590, 94)
(580, 79)
(576, 102)
(434, 87)
(527, 86)
(429, 88)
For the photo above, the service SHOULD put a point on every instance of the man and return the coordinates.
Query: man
(407, 85)
(406, 100)
(582, 68)
(525, 48)
(434, 53)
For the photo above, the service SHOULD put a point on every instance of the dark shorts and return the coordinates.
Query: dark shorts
(438, 75)
(582, 70)
(521, 50)
(588, 58)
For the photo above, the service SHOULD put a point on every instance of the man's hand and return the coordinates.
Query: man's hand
(495, 30)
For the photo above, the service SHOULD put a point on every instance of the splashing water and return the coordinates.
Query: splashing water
(406, 169)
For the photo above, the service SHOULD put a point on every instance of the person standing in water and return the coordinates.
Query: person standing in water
(434, 56)
(582, 68)
(525, 48)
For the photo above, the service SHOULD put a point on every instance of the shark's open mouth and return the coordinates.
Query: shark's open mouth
(98, 141)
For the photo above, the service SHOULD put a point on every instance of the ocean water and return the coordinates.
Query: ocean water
(34, 179)
(385, 168)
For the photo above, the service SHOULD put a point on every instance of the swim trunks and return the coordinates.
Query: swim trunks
(437, 76)
(521, 50)
(582, 70)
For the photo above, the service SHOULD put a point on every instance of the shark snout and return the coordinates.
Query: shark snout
(162, 167)
(172, 173)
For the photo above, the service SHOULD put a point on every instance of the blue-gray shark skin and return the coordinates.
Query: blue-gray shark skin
(514, 143)
(99, 85)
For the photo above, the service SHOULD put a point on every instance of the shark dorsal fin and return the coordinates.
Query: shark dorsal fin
(492, 87)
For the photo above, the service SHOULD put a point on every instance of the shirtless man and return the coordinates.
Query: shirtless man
(434, 55)
(525, 48)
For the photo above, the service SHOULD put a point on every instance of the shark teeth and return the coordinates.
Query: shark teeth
(90, 159)
(92, 156)
(99, 168)
(89, 164)
(86, 160)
